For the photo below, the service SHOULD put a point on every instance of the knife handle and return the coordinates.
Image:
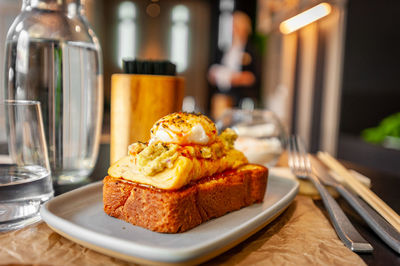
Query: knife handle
(343, 227)
(376, 222)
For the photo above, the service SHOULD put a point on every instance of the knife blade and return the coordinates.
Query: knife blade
(375, 221)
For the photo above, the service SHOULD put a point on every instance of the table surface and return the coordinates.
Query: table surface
(385, 185)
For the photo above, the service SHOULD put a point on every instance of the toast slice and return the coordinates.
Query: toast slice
(179, 210)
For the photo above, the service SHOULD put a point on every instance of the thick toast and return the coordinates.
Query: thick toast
(179, 210)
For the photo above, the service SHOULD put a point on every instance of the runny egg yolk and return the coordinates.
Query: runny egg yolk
(184, 129)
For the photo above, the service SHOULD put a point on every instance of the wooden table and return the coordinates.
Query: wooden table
(383, 184)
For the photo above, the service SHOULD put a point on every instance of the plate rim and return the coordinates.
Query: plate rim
(164, 254)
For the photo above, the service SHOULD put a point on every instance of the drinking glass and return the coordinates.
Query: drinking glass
(53, 56)
(25, 180)
(261, 136)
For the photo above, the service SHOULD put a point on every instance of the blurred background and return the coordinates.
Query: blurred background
(331, 74)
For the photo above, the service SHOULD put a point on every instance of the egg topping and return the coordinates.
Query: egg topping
(183, 129)
(184, 147)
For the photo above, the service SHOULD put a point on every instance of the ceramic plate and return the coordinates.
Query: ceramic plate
(78, 215)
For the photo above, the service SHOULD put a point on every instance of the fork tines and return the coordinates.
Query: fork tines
(298, 157)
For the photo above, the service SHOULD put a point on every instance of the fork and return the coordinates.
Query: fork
(300, 165)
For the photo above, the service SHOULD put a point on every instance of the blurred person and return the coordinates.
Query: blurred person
(236, 75)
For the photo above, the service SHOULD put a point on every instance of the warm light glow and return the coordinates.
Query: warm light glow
(305, 18)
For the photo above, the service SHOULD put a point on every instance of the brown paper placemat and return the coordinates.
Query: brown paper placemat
(300, 236)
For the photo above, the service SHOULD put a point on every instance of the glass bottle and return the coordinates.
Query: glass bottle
(53, 56)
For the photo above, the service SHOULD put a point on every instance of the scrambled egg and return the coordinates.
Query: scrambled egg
(173, 162)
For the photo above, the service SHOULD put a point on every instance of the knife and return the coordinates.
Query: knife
(376, 222)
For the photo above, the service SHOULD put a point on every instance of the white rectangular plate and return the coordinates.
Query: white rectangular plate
(78, 215)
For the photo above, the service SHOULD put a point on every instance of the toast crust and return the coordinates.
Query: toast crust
(175, 211)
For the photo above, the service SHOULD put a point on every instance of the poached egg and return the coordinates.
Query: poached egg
(184, 129)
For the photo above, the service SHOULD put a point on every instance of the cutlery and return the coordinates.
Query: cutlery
(375, 221)
(300, 165)
(365, 193)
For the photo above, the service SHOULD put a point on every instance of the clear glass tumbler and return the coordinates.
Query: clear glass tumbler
(53, 56)
(25, 180)
(261, 136)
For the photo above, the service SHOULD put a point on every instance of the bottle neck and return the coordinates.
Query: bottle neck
(70, 6)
